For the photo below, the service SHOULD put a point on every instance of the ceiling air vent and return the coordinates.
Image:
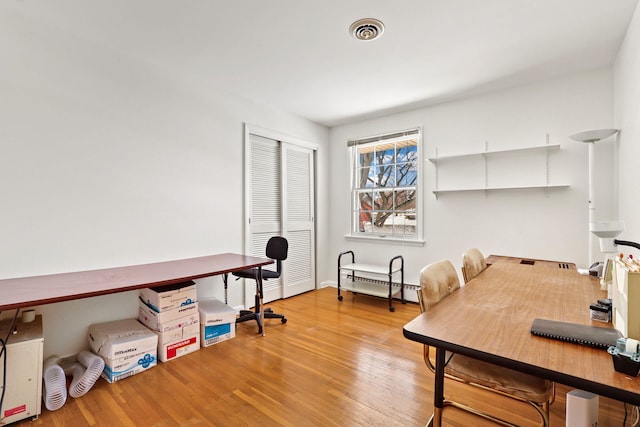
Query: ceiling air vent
(366, 29)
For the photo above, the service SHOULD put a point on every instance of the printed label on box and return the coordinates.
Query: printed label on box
(146, 361)
(213, 334)
(180, 348)
(216, 330)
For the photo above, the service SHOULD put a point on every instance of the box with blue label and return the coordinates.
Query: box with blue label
(217, 322)
(169, 297)
(126, 346)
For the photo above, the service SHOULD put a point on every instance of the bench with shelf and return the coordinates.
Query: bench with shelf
(372, 279)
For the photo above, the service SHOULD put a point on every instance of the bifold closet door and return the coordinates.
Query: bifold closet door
(280, 201)
(298, 215)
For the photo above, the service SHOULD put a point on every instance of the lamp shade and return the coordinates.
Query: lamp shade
(593, 135)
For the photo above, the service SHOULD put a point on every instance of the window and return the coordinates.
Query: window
(384, 186)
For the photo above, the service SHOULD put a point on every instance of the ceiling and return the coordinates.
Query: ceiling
(299, 56)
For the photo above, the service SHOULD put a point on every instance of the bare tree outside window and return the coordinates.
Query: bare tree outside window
(385, 187)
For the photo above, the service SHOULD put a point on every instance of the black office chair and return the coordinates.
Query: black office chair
(277, 249)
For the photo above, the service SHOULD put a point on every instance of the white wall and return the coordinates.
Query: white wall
(528, 223)
(627, 112)
(106, 161)
(109, 161)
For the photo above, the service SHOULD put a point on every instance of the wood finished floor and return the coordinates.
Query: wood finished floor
(333, 364)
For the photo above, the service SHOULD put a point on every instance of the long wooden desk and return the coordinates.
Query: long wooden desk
(490, 319)
(36, 290)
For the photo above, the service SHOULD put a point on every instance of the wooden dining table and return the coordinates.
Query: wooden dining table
(490, 319)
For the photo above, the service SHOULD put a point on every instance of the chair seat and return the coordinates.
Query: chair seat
(505, 380)
(251, 274)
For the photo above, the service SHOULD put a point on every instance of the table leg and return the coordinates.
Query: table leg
(438, 388)
(225, 278)
(260, 302)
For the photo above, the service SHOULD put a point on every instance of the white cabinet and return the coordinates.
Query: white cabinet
(626, 299)
(483, 156)
(23, 382)
(371, 279)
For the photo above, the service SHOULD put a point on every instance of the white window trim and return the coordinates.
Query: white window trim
(418, 240)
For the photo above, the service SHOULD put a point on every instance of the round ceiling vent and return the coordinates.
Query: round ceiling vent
(367, 29)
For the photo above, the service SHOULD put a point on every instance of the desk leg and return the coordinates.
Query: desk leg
(225, 278)
(259, 301)
(438, 388)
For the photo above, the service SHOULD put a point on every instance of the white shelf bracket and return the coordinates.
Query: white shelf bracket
(547, 161)
(486, 168)
(436, 180)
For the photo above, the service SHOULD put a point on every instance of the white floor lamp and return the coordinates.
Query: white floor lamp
(602, 229)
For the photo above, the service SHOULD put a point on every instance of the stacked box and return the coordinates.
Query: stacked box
(175, 348)
(126, 346)
(217, 322)
(172, 313)
(170, 320)
(168, 297)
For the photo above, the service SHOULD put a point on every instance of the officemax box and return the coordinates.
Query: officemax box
(217, 322)
(167, 320)
(169, 297)
(126, 346)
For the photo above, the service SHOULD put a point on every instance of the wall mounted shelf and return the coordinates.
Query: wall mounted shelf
(484, 155)
(515, 187)
(437, 158)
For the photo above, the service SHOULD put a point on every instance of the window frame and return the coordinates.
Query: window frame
(354, 188)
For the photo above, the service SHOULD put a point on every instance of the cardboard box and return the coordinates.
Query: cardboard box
(126, 346)
(167, 320)
(217, 322)
(188, 330)
(171, 350)
(170, 297)
(214, 334)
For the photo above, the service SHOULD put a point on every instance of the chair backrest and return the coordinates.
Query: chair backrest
(437, 281)
(278, 249)
(473, 262)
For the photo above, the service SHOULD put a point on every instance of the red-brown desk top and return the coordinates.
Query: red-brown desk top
(30, 291)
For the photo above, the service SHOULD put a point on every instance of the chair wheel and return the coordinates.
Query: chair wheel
(392, 309)
(283, 320)
(339, 297)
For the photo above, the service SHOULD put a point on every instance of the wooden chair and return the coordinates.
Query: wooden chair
(473, 262)
(439, 280)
